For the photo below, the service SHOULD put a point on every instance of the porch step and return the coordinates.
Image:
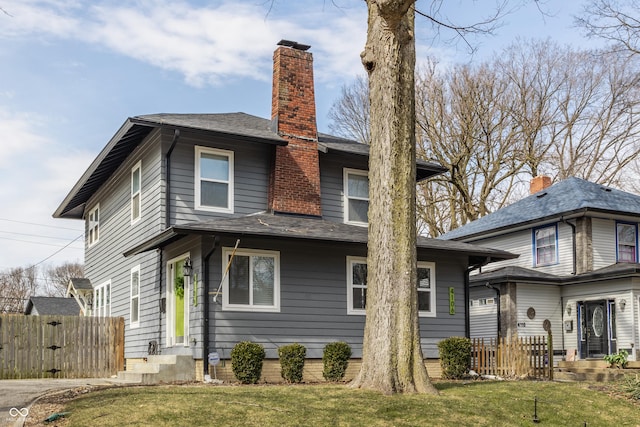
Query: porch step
(160, 369)
(593, 371)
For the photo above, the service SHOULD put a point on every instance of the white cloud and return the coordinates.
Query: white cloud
(36, 174)
(207, 45)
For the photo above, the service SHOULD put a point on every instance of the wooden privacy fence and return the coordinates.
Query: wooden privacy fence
(60, 346)
(530, 357)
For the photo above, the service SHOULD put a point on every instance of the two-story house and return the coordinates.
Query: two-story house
(577, 274)
(205, 230)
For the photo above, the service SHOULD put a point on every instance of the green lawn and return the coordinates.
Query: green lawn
(459, 404)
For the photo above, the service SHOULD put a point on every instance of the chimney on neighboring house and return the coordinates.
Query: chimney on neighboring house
(295, 175)
(539, 183)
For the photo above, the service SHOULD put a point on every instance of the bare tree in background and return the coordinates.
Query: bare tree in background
(617, 21)
(17, 285)
(57, 277)
(536, 108)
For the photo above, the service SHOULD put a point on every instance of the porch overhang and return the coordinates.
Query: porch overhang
(304, 228)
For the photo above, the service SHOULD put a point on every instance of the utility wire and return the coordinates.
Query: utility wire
(40, 225)
(41, 243)
(34, 235)
(58, 251)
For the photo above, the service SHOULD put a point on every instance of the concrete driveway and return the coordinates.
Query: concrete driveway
(16, 396)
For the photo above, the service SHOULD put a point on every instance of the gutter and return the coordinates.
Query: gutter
(205, 307)
(167, 166)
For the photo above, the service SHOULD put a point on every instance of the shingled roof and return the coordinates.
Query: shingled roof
(44, 306)
(234, 126)
(570, 197)
(294, 227)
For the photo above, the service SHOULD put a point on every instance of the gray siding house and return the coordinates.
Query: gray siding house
(204, 230)
(577, 274)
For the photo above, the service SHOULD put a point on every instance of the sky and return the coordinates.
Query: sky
(72, 71)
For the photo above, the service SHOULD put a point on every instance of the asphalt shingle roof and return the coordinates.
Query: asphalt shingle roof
(572, 195)
(53, 306)
(294, 227)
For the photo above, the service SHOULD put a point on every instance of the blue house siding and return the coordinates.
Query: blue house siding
(314, 302)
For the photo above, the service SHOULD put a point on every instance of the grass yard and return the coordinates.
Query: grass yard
(459, 404)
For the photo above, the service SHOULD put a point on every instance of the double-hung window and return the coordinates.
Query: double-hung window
(253, 280)
(102, 300)
(545, 243)
(136, 193)
(357, 287)
(627, 240)
(356, 197)
(93, 225)
(135, 297)
(214, 179)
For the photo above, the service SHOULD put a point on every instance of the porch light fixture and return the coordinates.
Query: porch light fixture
(568, 309)
(187, 269)
(623, 303)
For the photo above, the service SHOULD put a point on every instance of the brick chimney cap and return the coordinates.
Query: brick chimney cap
(295, 45)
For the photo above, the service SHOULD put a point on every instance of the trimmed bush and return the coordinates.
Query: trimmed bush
(246, 361)
(455, 357)
(335, 360)
(292, 362)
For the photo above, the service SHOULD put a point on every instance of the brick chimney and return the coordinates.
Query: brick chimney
(295, 175)
(539, 183)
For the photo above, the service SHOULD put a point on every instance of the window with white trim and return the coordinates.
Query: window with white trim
(545, 244)
(426, 289)
(356, 196)
(93, 225)
(102, 300)
(136, 193)
(627, 241)
(135, 297)
(214, 179)
(357, 287)
(253, 280)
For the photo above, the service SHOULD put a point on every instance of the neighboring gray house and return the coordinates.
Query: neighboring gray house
(44, 306)
(204, 230)
(577, 273)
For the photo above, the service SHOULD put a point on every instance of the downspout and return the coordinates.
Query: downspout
(167, 223)
(205, 307)
(167, 167)
(575, 245)
(499, 295)
(467, 321)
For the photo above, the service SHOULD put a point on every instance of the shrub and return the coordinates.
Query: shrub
(617, 360)
(246, 361)
(632, 386)
(455, 357)
(335, 360)
(292, 362)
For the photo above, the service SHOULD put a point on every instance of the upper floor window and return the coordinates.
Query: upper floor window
(214, 179)
(93, 227)
(627, 240)
(135, 297)
(253, 280)
(357, 287)
(545, 244)
(136, 192)
(356, 197)
(102, 300)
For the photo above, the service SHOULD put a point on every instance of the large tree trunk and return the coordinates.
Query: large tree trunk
(392, 360)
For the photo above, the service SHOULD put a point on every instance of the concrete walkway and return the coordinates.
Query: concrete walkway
(16, 396)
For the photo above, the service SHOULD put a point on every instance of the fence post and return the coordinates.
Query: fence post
(550, 349)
